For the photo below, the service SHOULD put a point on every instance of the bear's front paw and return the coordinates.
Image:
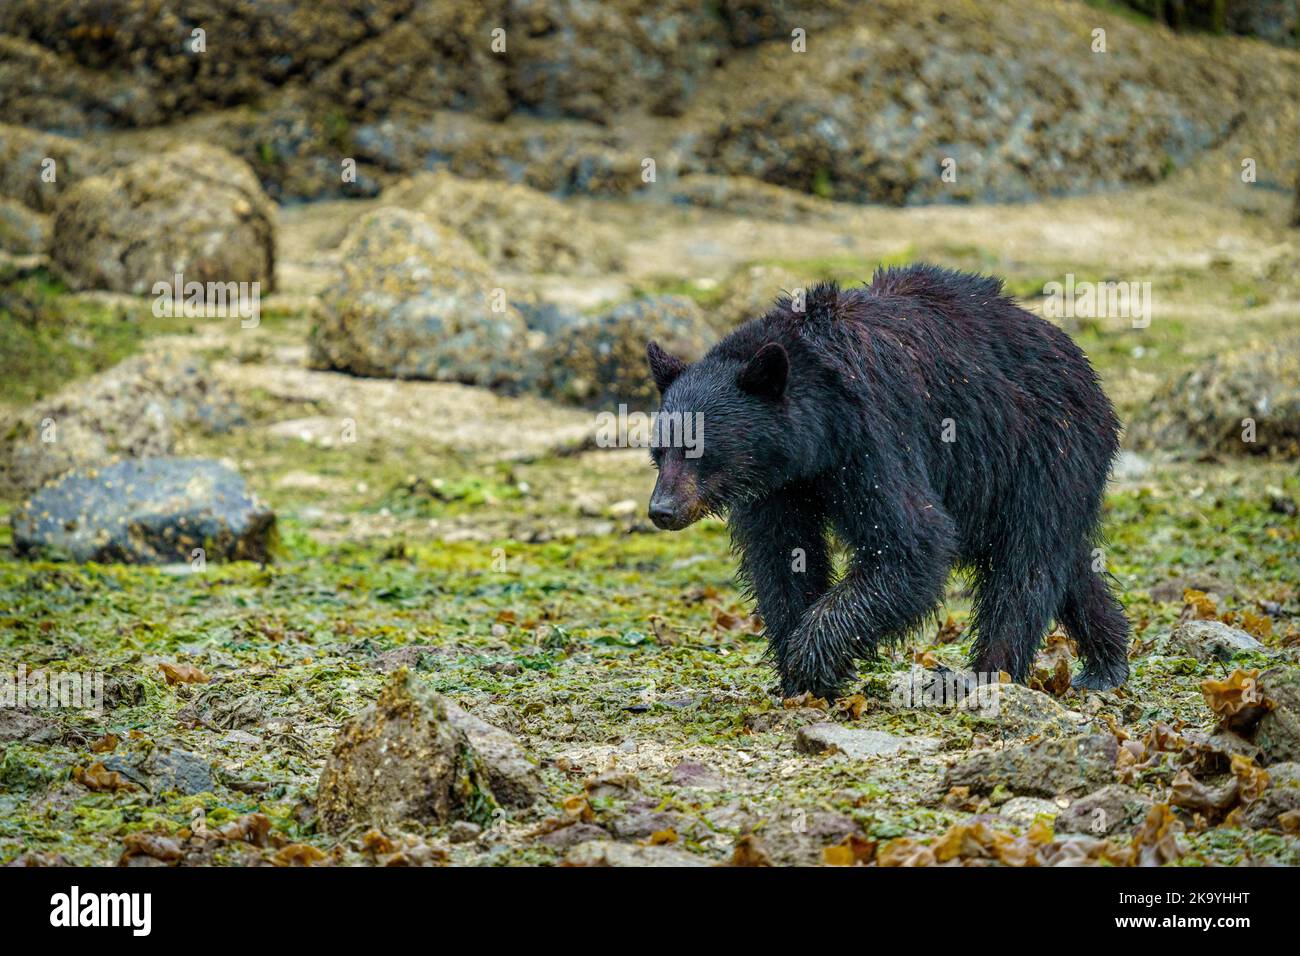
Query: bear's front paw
(806, 669)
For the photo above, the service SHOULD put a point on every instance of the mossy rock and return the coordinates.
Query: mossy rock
(1243, 402)
(196, 211)
(601, 363)
(415, 300)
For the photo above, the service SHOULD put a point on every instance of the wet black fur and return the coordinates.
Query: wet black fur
(850, 445)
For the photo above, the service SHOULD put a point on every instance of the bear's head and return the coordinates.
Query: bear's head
(720, 436)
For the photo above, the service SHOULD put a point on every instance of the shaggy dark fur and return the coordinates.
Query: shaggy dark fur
(832, 421)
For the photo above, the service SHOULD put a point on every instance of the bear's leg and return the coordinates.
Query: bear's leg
(784, 561)
(1014, 603)
(903, 546)
(1094, 619)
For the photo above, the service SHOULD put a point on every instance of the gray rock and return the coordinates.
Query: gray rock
(415, 300)
(1129, 466)
(151, 511)
(512, 226)
(688, 773)
(1115, 807)
(1019, 711)
(195, 210)
(855, 742)
(639, 825)
(601, 363)
(572, 835)
(178, 770)
(609, 853)
(462, 831)
(796, 836)
(166, 769)
(1044, 768)
(1211, 641)
(510, 773)
(1025, 810)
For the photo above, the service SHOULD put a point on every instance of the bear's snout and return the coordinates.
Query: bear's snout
(675, 502)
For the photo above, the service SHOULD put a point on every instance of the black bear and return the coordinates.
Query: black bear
(926, 422)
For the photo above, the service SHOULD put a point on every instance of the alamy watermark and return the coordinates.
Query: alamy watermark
(39, 690)
(209, 300)
(658, 430)
(1098, 300)
(923, 689)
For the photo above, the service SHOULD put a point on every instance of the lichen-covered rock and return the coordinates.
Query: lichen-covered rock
(146, 511)
(1209, 641)
(1023, 811)
(876, 105)
(195, 210)
(413, 757)
(415, 300)
(857, 743)
(1242, 402)
(512, 227)
(164, 768)
(136, 409)
(22, 231)
(1019, 711)
(1044, 768)
(1114, 807)
(602, 363)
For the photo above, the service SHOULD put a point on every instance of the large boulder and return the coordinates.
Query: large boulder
(196, 211)
(512, 226)
(414, 758)
(415, 300)
(602, 362)
(1242, 402)
(147, 511)
(874, 107)
(135, 409)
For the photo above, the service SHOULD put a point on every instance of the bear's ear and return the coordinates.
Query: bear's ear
(663, 367)
(767, 372)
